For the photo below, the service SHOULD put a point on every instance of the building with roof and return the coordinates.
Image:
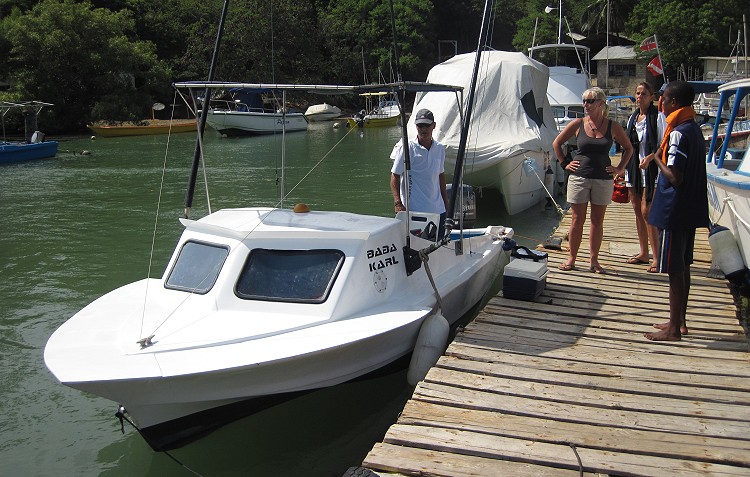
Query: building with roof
(619, 70)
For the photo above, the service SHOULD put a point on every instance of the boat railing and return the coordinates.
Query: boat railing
(229, 105)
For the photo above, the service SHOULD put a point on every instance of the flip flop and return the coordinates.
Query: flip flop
(566, 267)
(653, 269)
(598, 269)
(636, 261)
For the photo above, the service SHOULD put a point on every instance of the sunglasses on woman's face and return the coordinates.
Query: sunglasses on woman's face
(590, 101)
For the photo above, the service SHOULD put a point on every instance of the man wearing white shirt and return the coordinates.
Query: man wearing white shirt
(427, 192)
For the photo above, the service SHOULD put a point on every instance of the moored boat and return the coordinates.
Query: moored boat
(385, 114)
(259, 304)
(729, 180)
(143, 128)
(322, 112)
(34, 146)
(253, 111)
(512, 123)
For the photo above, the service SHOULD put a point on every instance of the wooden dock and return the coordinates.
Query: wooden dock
(567, 385)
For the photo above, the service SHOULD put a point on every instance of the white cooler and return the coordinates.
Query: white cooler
(524, 279)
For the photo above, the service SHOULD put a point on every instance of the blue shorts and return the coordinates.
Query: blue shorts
(676, 250)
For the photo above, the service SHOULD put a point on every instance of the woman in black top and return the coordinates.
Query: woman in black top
(591, 173)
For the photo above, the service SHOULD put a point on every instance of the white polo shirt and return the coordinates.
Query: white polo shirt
(426, 166)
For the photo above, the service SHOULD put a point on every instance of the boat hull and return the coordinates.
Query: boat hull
(520, 189)
(373, 122)
(220, 349)
(729, 202)
(322, 112)
(146, 130)
(20, 152)
(243, 123)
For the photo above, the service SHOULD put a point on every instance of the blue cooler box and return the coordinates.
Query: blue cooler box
(524, 279)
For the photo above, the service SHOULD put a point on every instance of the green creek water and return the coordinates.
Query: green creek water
(77, 226)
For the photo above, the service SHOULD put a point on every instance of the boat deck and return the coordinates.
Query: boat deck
(567, 385)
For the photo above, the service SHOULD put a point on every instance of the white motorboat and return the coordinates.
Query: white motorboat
(569, 67)
(322, 112)
(512, 122)
(253, 111)
(260, 304)
(386, 113)
(729, 180)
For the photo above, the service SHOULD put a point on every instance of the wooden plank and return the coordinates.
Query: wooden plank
(514, 315)
(720, 399)
(621, 327)
(637, 441)
(592, 354)
(637, 397)
(539, 384)
(500, 399)
(427, 462)
(612, 340)
(553, 455)
(605, 365)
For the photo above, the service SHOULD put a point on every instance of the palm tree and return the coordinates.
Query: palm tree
(594, 18)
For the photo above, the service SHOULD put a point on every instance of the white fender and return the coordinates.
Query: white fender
(431, 343)
(726, 253)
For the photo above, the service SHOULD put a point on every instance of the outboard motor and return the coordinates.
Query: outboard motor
(726, 253)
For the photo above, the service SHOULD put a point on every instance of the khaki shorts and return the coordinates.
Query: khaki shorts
(596, 191)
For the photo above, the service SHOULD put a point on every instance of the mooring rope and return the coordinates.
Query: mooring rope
(120, 414)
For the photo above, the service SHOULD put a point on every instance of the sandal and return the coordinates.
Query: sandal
(598, 269)
(566, 267)
(634, 260)
(653, 269)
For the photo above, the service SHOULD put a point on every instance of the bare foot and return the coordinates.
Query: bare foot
(664, 326)
(662, 335)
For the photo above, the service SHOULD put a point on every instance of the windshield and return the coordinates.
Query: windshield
(289, 275)
(197, 267)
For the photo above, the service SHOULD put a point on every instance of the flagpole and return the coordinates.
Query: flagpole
(663, 71)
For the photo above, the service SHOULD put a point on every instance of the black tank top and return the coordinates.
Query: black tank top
(593, 152)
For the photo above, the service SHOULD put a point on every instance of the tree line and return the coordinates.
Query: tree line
(111, 60)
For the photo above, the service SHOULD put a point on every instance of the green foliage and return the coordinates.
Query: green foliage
(77, 57)
(700, 29)
(111, 59)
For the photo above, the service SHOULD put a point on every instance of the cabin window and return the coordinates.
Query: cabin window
(304, 276)
(197, 267)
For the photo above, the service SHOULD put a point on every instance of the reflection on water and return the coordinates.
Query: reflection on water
(75, 227)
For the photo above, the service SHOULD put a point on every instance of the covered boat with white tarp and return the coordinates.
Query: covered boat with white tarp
(512, 122)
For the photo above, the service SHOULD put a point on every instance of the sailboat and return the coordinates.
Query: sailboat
(261, 304)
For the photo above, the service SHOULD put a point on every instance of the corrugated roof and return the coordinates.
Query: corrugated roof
(615, 53)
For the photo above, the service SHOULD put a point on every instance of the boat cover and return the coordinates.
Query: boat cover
(511, 112)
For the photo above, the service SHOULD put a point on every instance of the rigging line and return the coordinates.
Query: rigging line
(156, 215)
(203, 166)
(728, 201)
(312, 169)
(235, 249)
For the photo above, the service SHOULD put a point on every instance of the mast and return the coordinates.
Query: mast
(401, 103)
(461, 153)
(204, 114)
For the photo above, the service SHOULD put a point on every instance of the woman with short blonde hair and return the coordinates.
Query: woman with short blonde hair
(591, 172)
